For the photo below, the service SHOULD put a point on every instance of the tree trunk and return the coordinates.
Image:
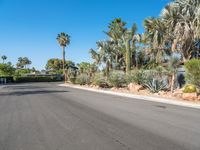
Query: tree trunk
(64, 72)
(128, 57)
(116, 62)
(111, 64)
(172, 82)
(107, 69)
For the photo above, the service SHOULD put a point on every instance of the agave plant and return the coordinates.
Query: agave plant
(155, 85)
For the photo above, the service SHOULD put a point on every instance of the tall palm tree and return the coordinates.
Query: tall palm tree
(63, 40)
(4, 57)
(116, 30)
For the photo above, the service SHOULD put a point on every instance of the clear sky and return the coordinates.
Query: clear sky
(29, 27)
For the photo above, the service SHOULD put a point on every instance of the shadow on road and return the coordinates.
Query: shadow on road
(23, 87)
(22, 93)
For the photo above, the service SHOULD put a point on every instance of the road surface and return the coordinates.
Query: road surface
(42, 116)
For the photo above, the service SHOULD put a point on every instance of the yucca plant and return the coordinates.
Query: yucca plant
(155, 85)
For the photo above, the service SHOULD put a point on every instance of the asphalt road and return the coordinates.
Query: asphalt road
(42, 116)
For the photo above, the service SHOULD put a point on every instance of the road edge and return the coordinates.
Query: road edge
(135, 96)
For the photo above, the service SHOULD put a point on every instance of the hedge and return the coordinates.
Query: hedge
(36, 79)
(9, 79)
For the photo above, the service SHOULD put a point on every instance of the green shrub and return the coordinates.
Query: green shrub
(193, 72)
(136, 76)
(72, 80)
(100, 81)
(20, 79)
(21, 72)
(190, 89)
(83, 79)
(117, 79)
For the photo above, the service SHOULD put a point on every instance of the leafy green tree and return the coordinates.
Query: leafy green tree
(55, 65)
(6, 69)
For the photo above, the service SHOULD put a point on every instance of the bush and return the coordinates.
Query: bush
(136, 76)
(72, 80)
(100, 81)
(83, 79)
(35, 79)
(190, 89)
(21, 72)
(193, 72)
(117, 79)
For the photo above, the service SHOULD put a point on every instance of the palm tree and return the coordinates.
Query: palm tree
(4, 57)
(26, 62)
(23, 62)
(183, 22)
(20, 63)
(63, 40)
(95, 56)
(156, 37)
(106, 54)
(116, 30)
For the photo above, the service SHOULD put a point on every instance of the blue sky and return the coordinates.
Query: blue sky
(29, 27)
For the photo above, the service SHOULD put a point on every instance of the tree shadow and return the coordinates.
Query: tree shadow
(36, 92)
(23, 87)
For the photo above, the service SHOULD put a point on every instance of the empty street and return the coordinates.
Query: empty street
(43, 116)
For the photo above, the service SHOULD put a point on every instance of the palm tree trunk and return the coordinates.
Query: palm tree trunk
(172, 82)
(116, 62)
(128, 57)
(64, 72)
(107, 69)
(111, 63)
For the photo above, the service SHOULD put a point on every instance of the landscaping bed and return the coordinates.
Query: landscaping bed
(134, 89)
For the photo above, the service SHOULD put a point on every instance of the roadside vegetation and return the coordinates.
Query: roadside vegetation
(135, 61)
(151, 60)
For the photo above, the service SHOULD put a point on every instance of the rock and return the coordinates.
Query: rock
(135, 87)
(178, 93)
(156, 94)
(162, 93)
(198, 98)
(113, 89)
(189, 96)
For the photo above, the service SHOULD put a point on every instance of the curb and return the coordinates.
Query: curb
(2, 86)
(145, 98)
